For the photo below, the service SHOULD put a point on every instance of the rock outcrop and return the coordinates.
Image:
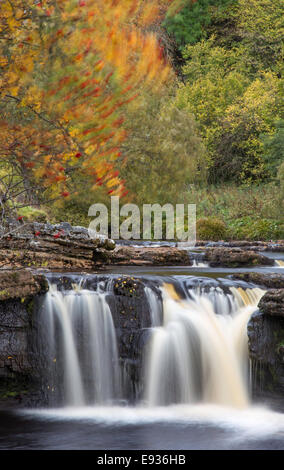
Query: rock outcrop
(53, 247)
(268, 280)
(266, 343)
(272, 303)
(20, 284)
(235, 257)
(158, 256)
(277, 246)
(18, 289)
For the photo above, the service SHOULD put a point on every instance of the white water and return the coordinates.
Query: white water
(86, 314)
(155, 309)
(197, 353)
(254, 422)
(199, 264)
(200, 354)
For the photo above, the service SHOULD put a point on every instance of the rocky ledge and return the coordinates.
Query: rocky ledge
(266, 280)
(170, 256)
(20, 284)
(66, 247)
(266, 343)
(57, 247)
(134, 256)
(272, 303)
(235, 257)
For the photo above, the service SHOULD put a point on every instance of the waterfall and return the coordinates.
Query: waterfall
(200, 351)
(154, 307)
(86, 338)
(194, 349)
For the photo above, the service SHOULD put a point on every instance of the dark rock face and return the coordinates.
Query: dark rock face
(235, 257)
(131, 315)
(266, 343)
(14, 325)
(18, 289)
(17, 380)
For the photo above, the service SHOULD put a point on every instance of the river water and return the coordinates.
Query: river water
(197, 390)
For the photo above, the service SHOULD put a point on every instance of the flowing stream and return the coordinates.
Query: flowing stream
(197, 351)
(177, 378)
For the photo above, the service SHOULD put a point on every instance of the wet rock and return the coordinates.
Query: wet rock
(235, 257)
(266, 343)
(245, 245)
(18, 290)
(266, 350)
(131, 314)
(14, 330)
(268, 280)
(19, 284)
(272, 303)
(154, 256)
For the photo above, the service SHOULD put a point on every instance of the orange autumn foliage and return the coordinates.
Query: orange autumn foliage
(68, 69)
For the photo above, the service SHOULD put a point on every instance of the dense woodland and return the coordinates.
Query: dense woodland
(157, 102)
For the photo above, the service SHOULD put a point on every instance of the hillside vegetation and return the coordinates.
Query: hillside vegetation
(210, 134)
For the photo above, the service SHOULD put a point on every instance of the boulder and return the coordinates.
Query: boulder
(151, 256)
(20, 284)
(272, 303)
(235, 257)
(269, 280)
(47, 246)
(266, 343)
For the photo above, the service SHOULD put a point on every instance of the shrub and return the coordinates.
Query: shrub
(31, 214)
(252, 228)
(211, 228)
(162, 155)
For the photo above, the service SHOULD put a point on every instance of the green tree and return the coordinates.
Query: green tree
(163, 153)
(261, 25)
(190, 24)
(274, 149)
(238, 145)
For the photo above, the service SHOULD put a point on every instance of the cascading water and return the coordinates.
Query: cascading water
(86, 338)
(199, 353)
(196, 349)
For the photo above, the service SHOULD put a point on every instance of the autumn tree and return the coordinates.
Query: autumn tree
(68, 68)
